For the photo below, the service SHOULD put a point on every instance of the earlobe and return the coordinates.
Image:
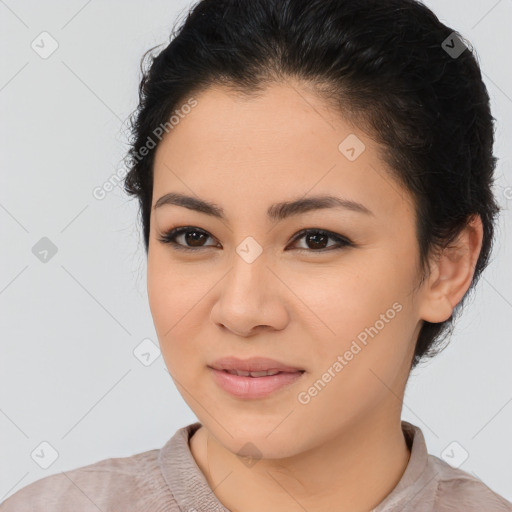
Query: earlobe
(452, 273)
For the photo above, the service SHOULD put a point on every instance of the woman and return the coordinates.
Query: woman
(314, 180)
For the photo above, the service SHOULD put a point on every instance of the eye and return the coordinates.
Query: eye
(196, 236)
(319, 237)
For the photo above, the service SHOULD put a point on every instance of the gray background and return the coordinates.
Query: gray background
(70, 325)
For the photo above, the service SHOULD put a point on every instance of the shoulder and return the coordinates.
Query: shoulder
(123, 483)
(460, 490)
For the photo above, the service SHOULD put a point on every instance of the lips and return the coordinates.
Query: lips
(254, 366)
(254, 388)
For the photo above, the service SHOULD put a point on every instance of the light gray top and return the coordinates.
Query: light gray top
(169, 480)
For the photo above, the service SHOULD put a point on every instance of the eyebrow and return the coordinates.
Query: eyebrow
(275, 212)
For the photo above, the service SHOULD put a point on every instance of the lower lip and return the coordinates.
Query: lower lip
(253, 387)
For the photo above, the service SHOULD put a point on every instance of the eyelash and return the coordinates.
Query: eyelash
(169, 238)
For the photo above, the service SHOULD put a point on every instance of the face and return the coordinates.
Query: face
(327, 290)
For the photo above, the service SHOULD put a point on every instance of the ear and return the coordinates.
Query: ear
(452, 273)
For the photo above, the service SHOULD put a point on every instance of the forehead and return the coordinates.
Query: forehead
(283, 143)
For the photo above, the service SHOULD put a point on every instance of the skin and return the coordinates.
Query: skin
(345, 446)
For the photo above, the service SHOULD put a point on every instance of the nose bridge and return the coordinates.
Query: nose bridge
(249, 267)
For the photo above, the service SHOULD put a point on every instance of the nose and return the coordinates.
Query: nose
(251, 299)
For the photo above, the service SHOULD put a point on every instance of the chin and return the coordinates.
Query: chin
(245, 438)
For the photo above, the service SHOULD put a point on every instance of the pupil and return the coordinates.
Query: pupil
(315, 236)
(195, 238)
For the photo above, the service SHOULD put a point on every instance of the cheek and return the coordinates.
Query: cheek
(362, 367)
(342, 301)
(364, 316)
(170, 298)
(178, 300)
(172, 291)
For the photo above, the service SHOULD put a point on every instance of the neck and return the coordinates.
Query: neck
(355, 470)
